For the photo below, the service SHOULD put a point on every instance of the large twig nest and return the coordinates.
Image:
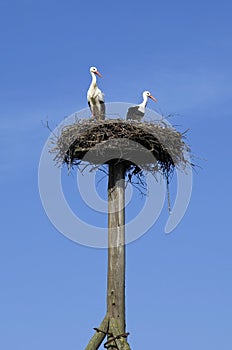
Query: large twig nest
(145, 145)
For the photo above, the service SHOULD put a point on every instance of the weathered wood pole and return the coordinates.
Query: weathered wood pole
(113, 326)
(116, 244)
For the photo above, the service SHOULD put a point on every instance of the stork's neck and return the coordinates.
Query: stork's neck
(94, 79)
(144, 103)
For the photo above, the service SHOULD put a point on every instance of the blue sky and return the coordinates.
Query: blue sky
(179, 285)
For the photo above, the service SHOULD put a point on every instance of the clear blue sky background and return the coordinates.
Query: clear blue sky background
(178, 286)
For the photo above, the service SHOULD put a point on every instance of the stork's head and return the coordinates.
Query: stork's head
(95, 71)
(148, 94)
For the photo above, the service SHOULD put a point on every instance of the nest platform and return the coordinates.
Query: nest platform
(150, 146)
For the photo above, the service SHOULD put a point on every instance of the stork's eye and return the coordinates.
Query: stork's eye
(93, 69)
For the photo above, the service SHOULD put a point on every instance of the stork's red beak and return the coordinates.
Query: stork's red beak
(98, 73)
(153, 98)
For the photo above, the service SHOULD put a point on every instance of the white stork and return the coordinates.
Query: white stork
(137, 112)
(95, 96)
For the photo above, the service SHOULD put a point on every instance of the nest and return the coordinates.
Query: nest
(143, 146)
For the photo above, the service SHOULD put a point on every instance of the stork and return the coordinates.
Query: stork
(137, 112)
(95, 96)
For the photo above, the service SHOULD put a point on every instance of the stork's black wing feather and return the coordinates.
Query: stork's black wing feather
(134, 113)
(103, 110)
(90, 106)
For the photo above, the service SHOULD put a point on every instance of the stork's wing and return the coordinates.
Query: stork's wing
(90, 106)
(102, 108)
(101, 96)
(134, 113)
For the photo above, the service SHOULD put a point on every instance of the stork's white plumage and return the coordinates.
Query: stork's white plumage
(137, 112)
(95, 97)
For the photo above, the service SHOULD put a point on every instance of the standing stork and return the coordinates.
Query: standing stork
(95, 96)
(137, 112)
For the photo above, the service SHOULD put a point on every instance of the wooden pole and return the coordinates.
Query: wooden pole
(116, 244)
(113, 326)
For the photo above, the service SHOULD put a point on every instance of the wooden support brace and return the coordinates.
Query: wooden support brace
(99, 336)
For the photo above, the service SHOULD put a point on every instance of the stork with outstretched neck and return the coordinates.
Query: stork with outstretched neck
(95, 97)
(137, 112)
